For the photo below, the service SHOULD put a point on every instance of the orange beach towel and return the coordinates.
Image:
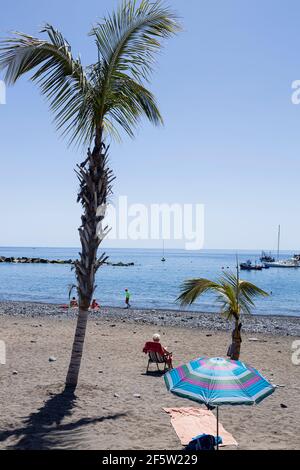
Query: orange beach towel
(190, 422)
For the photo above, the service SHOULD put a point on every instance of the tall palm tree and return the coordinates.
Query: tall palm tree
(89, 104)
(234, 295)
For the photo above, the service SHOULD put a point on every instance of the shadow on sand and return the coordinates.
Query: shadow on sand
(44, 430)
(154, 373)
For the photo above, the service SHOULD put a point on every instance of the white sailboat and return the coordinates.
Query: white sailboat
(285, 263)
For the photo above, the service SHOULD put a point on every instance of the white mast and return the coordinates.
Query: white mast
(278, 243)
(163, 257)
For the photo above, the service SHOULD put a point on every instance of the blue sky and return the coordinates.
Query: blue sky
(231, 138)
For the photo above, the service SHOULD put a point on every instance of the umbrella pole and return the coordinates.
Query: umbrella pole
(217, 428)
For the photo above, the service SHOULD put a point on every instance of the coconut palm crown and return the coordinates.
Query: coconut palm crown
(235, 296)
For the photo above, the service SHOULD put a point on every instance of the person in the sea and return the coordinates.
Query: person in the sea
(161, 349)
(95, 305)
(73, 303)
(127, 298)
(235, 347)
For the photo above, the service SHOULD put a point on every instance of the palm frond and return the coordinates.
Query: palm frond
(250, 290)
(247, 294)
(191, 289)
(108, 94)
(127, 101)
(226, 297)
(229, 278)
(71, 288)
(61, 78)
(127, 41)
(233, 295)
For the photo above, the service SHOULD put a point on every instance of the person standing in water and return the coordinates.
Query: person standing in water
(127, 298)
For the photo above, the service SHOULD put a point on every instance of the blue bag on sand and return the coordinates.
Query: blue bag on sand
(203, 442)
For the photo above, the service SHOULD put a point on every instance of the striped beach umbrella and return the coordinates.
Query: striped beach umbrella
(217, 381)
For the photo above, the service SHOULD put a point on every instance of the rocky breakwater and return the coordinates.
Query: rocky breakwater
(25, 259)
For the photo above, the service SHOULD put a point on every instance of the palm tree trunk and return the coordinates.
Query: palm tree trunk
(236, 342)
(74, 367)
(95, 185)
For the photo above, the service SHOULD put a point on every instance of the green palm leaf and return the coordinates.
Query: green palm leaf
(107, 95)
(234, 296)
(61, 78)
(127, 41)
(191, 289)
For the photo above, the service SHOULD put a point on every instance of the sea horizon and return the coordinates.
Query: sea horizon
(101, 248)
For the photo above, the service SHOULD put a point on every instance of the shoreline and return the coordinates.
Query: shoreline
(276, 325)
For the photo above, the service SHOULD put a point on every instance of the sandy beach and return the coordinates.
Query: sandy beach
(105, 413)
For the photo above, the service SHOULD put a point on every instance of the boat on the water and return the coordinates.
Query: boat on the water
(248, 266)
(293, 262)
(266, 257)
(284, 263)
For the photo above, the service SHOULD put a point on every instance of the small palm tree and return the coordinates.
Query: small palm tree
(90, 104)
(234, 295)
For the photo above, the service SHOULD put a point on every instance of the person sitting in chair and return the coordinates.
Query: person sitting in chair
(95, 305)
(157, 347)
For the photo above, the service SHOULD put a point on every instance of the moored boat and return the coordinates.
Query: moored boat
(285, 263)
(266, 257)
(293, 262)
(248, 266)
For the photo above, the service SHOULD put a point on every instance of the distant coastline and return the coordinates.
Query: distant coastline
(29, 260)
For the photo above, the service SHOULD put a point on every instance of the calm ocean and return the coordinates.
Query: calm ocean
(153, 284)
